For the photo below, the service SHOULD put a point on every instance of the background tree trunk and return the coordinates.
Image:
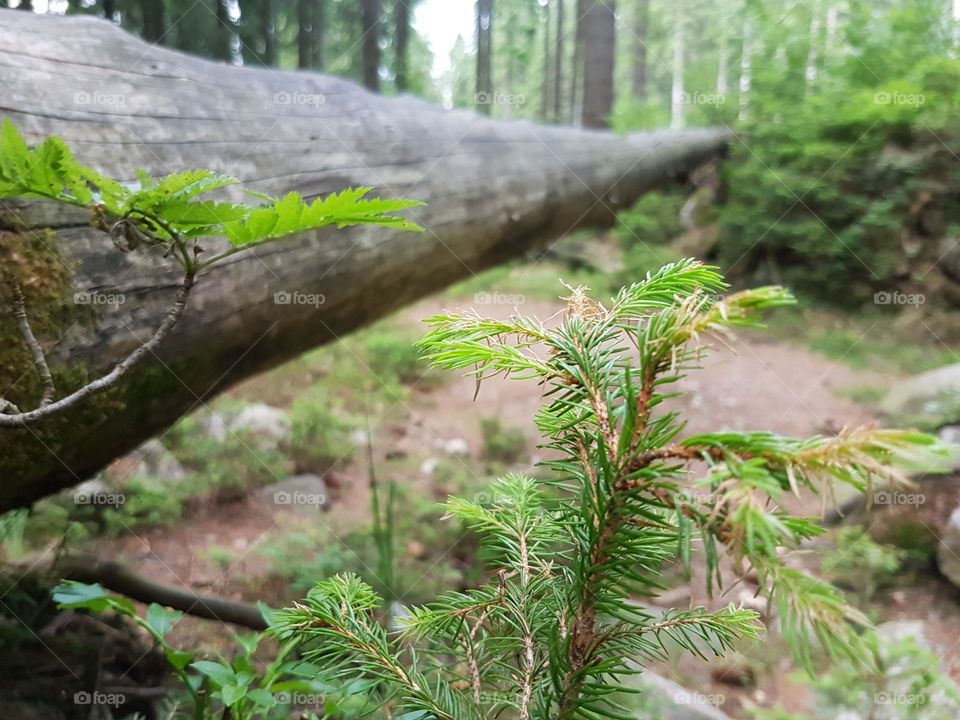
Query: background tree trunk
(545, 103)
(224, 33)
(269, 30)
(599, 41)
(370, 25)
(641, 21)
(677, 92)
(493, 191)
(154, 20)
(485, 56)
(558, 60)
(401, 37)
(306, 48)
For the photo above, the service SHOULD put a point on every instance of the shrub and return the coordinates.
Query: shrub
(321, 430)
(555, 633)
(501, 444)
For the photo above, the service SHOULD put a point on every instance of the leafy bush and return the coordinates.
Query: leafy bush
(321, 430)
(555, 634)
(861, 565)
(502, 444)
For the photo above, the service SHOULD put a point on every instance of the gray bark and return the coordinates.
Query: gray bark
(494, 190)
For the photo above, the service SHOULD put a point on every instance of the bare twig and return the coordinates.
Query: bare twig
(114, 376)
(39, 358)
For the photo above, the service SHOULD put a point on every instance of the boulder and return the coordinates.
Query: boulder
(934, 394)
(300, 493)
(152, 461)
(948, 549)
(270, 426)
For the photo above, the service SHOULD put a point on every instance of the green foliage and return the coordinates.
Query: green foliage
(556, 633)
(502, 444)
(235, 688)
(861, 565)
(654, 219)
(321, 429)
(175, 211)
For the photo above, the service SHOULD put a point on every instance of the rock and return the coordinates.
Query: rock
(948, 549)
(428, 466)
(301, 493)
(950, 435)
(269, 425)
(214, 426)
(149, 462)
(456, 447)
(895, 631)
(931, 394)
(667, 700)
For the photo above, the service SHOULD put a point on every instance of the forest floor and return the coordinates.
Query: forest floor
(430, 442)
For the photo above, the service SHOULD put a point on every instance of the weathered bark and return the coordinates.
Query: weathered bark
(599, 40)
(493, 191)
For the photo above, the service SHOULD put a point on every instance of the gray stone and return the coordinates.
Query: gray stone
(214, 426)
(269, 425)
(300, 493)
(456, 447)
(950, 436)
(667, 700)
(948, 549)
(931, 394)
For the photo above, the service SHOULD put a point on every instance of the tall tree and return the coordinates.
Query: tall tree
(641, 23)
(153, 17)
(599, 46)
(677, 95)
(545, 103)
(109, 9)
(746, 67)
(484, 55)
(269, 30)
(401, 39)
(576, 72)
(306, 22)
(370, 25)
(223, 42)
(558, 65)
(25, 5)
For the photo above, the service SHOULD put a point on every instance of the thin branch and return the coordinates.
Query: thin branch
(39, 358)
(114, 376)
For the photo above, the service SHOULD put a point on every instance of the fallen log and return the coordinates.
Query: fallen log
(494, 190)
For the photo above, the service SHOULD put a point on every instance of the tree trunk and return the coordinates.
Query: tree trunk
(599, 39)
(401, 37)
(224, 33)
(269, 30)
(154, 22)
(811, 71)
(746, 63)
(545, 99)
(641, 21)
(319, 34)
(110, 9)
(494, 190)
(484, 97)
(677, 92)
(558, 66)
(25, 5)
(306, 50)
(370, 26)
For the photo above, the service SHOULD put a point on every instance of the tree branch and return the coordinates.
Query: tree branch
(39, 358)
(114, 376)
